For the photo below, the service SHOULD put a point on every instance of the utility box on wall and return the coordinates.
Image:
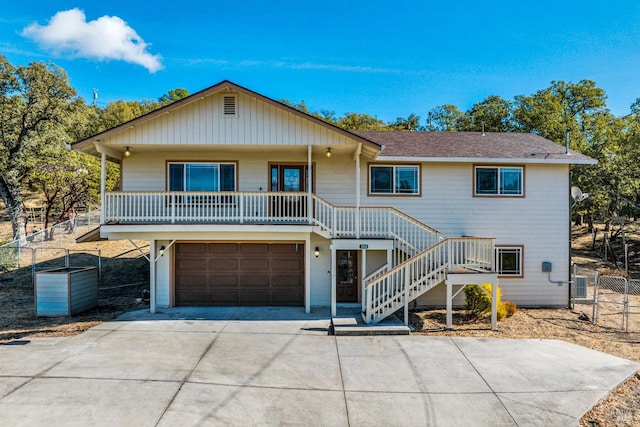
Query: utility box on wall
(546, 267)
(66, 291)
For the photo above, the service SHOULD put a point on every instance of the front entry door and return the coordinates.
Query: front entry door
(347, 276)
(289, 178)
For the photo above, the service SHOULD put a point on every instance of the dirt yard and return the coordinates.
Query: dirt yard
(126, 275)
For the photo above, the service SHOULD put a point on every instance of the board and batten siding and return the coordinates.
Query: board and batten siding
(202, 122)
(539, 222)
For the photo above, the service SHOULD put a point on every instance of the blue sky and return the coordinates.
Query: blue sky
(385, 58)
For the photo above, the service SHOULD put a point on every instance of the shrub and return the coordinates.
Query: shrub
(8, 258)
(478, 301)
(510, 307)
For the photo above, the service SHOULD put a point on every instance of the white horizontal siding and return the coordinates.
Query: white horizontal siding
(539, 222)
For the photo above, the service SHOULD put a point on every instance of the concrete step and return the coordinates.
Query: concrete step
(355, 326)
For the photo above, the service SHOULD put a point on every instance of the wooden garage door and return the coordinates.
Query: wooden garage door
(239, 274)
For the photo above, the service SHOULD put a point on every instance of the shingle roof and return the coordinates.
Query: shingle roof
(452, 146)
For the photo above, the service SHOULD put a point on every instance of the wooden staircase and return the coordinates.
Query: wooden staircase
(387, 292)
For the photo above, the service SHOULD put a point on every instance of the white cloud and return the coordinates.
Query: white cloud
(108, 37)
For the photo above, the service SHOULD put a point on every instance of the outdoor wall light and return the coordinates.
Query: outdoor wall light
(127, 152)
(162, 248)
(317, 252)
(328, 153)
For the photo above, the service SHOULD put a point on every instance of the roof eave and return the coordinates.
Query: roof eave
(383, 158)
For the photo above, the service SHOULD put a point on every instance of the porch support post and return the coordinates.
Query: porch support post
(363, 274)
(152, 276)
(333, 281)
(309, 186)
(307, 275)
(449, 321)
(494, 305)
(357, 159)
(103, 185)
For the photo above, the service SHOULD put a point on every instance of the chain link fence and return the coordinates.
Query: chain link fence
(613, 301)
(48, 249)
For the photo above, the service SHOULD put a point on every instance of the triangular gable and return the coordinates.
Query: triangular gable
(144, 124)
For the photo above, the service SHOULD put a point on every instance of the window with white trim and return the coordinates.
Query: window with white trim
(509, 261)
(394, 179)
(498, 181)
(184, 176)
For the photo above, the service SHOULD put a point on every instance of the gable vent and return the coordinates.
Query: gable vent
(230, 105)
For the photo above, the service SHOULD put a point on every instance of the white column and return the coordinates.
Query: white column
(152, 276)
(309, 186)
(449, 305)
(333, 281)
(103, 185)
(494, 305)
(307, 275)
(363, 274)
(357, 195)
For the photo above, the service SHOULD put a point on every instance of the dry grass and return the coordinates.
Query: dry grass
(125, 275)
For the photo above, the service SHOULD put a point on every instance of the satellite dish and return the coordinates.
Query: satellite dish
(577, 195)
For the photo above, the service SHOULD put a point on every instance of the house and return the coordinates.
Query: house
(246, 201)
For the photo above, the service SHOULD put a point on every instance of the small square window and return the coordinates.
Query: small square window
(509, 261)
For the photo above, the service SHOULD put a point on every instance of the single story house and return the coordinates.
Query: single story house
(246, 201)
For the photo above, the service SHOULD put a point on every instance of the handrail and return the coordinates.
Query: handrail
(416, 275)
(268, 207)
(377, 273)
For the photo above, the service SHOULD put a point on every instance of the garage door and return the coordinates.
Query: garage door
(239, 274)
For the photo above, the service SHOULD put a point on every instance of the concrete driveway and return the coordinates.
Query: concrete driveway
(225, 366)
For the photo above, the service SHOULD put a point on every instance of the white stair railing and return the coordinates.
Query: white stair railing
(407, 281)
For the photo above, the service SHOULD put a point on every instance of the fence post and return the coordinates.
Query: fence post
(594, 314)
(66, 258)
(33, 266)
(99, 263)
(625, 307)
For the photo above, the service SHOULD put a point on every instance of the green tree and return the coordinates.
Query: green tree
(35, 101)
(445, 117)
(412, 122)
(359, 121)
(580, 109)
(494, 114)
(172, 96)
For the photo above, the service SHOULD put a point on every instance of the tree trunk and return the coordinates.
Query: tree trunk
(15, 211)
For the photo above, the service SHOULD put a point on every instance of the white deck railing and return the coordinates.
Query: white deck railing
(233, 207)
(390, 291)
(210, 207)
